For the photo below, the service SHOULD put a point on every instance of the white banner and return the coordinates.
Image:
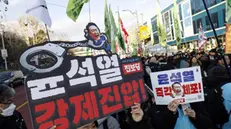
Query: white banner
(184, 85)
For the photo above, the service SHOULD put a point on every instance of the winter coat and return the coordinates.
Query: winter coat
(12, 122)
(162, 118)
(145, 123)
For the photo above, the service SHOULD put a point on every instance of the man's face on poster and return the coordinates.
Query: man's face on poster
(94, 32)
(177, 89)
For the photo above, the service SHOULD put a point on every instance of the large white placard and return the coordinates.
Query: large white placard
(184, 85)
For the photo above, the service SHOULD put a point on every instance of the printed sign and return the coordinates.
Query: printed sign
(70, 91)
(144, 32)
(184, 85)
(228, 39)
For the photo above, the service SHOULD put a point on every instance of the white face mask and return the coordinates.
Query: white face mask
(9, 111)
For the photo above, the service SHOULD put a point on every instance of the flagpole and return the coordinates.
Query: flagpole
(89, 50)
(48, 36)
(89, 10)
(215, 34)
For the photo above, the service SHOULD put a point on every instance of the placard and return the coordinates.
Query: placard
(70, 91)
(184, 85)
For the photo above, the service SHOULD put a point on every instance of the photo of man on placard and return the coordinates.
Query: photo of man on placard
(177, 90)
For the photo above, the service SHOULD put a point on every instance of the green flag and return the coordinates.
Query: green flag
(107, 22)
(120, 34)
(113, 32)
(160, 27)
(176, 24)
(228, 11)
(74, 8)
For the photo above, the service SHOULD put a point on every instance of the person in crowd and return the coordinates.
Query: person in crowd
(10, 118)
(218, 97)
(194, 62)
(220, 63)
(139, 119)
(173, 116)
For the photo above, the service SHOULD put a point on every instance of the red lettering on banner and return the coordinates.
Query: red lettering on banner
(194, 88)
(83, 103)
(108, 97)
(186, 89)
(181, 100)
(61, 123)
(62, 108)
(46, 125)
(132, 68)
(49, 109)
(167, 91)
(142, 88)
(159, 92)
(199, 85)
(130, 93)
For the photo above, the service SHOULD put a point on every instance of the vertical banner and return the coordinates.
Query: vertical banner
(176, 24)
(144, 33)
(160, 26)
(228, 39)
(184, 85)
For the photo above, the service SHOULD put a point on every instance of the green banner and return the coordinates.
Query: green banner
(74, 8)
(107, 21)
(160, 27)
(114, 31)
(176, 24)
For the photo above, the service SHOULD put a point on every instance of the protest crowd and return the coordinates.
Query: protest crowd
(213, 113)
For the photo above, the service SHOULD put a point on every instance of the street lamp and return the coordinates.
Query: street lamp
(134, 14)
(138, 24)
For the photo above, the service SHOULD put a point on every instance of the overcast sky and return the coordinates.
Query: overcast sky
(61, 23)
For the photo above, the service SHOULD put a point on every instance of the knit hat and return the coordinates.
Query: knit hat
(6, 93)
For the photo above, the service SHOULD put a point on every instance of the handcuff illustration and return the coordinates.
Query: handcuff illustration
(53, 49)
(57, 50)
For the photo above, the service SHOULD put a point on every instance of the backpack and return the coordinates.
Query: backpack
(215, 107)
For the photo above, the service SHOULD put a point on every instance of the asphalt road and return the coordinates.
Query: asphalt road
(22, 105)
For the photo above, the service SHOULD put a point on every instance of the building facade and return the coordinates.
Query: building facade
(191, 14)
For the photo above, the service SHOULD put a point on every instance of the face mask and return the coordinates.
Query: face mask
(8, 111)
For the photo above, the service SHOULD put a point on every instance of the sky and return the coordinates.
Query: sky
(74, 30)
